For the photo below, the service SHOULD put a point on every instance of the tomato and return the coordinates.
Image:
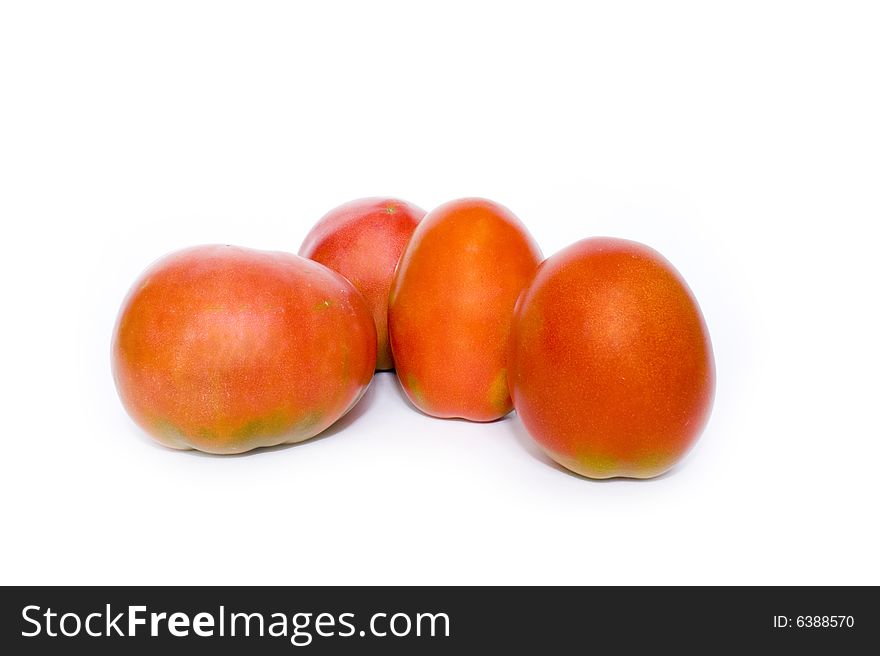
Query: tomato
(226, 349)
(612, 371)
(363, 240)
(450, 308)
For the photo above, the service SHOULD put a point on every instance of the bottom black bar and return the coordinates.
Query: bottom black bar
(433, 620)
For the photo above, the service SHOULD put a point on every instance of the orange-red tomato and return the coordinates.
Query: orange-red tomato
(226, 349)
(450, 308)
(612, 370)
(363, 240)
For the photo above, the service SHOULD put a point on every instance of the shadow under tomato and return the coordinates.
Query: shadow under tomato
(528, 444)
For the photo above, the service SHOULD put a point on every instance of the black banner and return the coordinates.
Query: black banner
(435, 620)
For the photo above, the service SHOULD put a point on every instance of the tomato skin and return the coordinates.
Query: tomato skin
(363, 240)
(450, 308)
(226, 349)
(612, 371)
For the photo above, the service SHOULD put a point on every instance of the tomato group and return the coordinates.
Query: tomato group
(612, 371)
(602, 349)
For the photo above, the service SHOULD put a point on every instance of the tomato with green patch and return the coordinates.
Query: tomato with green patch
(450, 308)
(611, 366)
(226, 349)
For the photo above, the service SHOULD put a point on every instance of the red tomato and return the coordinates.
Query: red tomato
(612, 370)
(450, 308)
(226, 349)
(363, 240)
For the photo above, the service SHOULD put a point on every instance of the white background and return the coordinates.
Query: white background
(742, 140)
